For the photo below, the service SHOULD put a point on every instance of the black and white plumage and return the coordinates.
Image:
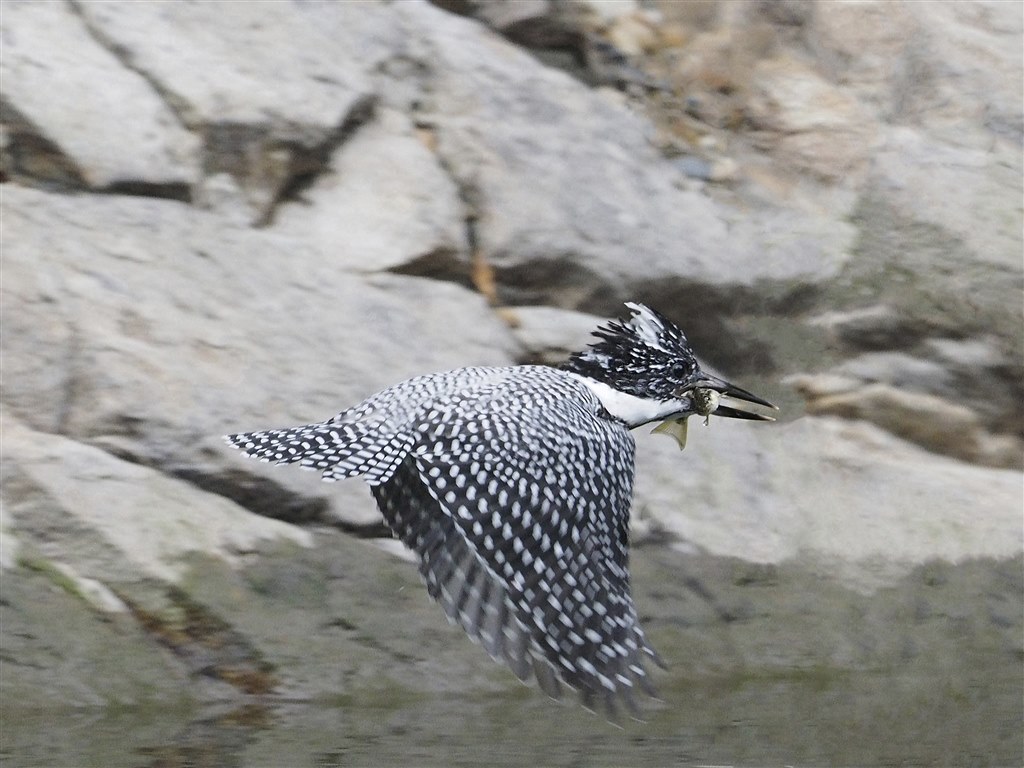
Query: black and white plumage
(513, 486)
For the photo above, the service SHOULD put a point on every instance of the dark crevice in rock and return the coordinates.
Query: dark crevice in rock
(560, 280)
(125, 440)
(443, 263)
(699, 298)
(72, 383)
(174, 102)
(560, 38)
(266, 498)
(271, 161)
(438, 264)
(307, 163)
(136, 188)
(370, 531)
(32, 159)
(259, 495)
(709, 313)
(472, 225)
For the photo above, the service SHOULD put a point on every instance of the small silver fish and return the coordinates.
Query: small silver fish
(705, 402)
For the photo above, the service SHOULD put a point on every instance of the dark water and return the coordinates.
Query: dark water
(770, 666)
(808, 720)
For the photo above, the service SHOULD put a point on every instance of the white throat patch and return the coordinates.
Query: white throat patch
(631, 409)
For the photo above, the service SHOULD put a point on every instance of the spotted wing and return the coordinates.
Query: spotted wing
(454, 574)
(368, 440)
(530, 551)
(336, 450)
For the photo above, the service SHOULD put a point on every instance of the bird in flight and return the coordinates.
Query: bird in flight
(513, 487)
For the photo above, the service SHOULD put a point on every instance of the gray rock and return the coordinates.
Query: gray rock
(940, 228)
(945, 283)
(967, 353)
(103, 123)
(937, 423)
(533, 23)
(269, 88)
(989, 375)
(818, 385)
(974, 373)
(113, 521)
(809, 122)
(864, 46)
(842, 497)
(245, 65)
(625, 228)
(948, 68)
(932, 422)
(694, 167)
(898, 369)
(157, 342)
(384, 191)
(964, 191)
(874, 327)
(548, 335)
(61, 654)
(393, 137)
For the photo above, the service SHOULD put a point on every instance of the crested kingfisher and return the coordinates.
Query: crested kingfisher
(512, 485)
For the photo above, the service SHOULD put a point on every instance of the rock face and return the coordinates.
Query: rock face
(64, 129)
(219, 217)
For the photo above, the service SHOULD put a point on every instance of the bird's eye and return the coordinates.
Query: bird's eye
(679, 370)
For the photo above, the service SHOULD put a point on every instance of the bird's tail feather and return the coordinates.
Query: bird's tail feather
(335, 450)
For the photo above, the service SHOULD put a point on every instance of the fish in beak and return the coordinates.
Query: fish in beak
(706, 394)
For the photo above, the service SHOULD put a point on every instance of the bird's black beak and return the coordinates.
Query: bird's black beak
(732, 391)
(705, 395)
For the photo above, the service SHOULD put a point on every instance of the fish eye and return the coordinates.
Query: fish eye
(705, 401)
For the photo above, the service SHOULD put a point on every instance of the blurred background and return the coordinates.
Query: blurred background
(219, 217)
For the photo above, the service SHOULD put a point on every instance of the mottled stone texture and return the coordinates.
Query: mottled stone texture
(220, 217)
